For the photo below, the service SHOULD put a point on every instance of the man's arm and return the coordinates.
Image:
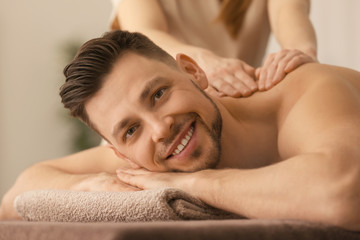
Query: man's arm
(90, 170)
(305, 187)
(231, 77)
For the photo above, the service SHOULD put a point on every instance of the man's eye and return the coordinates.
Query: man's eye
(159, 94)
(130, 132)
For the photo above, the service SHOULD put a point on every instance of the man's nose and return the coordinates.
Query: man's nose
(161, 128)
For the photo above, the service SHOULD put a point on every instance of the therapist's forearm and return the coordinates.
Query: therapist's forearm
(291, 25)
(172, 45)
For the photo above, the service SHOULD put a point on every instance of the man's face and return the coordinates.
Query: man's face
(156, 116)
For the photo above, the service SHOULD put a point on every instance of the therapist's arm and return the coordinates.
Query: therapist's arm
(231, 77)
(291, 25)
(293, 29)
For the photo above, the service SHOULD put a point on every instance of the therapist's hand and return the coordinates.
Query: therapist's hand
(278, 64)
(227, 76)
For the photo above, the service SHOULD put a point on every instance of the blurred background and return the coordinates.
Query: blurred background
(39, 37)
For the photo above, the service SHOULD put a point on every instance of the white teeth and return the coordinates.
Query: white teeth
(180, 147)
(184, 142)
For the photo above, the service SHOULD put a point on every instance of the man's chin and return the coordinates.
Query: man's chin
(197, 165)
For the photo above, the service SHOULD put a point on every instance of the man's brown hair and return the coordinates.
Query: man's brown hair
(95, 60)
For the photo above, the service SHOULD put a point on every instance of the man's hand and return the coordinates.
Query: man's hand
(277, 65)
(144, 179)
(204, 184)
(103, 182)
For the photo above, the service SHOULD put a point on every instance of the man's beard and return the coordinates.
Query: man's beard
(211, 153)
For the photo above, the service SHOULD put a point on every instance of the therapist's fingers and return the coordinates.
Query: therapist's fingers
(285, 62)
(241, 82)
(213, 92)
(273, 70)
(247, 79)
(225, 86)
(232, 86)
(262, 72)
(280, 73)
(298, 60)
(276, 68)
(247, 76)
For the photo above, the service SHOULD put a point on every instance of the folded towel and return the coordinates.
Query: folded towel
(163, 204)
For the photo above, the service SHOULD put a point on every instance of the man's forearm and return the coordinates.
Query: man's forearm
(89, 170)
(305, 187)
(39, 176)
(50, 175)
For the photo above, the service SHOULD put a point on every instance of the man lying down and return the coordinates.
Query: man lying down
(288, 153)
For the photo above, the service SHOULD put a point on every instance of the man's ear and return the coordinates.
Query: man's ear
(122, 156)
(188, 65)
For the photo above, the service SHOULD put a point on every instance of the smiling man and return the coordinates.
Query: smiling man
(159, 120)
(292, 152)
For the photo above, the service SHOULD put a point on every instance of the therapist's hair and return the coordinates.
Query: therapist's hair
(95, 60)
(232, 13)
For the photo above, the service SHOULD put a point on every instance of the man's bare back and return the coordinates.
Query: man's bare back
(284, 117)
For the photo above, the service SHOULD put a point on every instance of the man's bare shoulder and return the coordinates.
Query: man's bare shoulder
(315, 73)
(320, 107)
(314, 82)
(314, 76)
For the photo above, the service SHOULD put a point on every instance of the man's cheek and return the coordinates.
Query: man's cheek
(141, 156)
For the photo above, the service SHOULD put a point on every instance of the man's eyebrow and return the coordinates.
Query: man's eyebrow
(149, 86)
(119, 126)
(144, 94)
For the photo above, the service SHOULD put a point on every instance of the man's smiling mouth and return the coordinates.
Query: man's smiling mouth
(184, 142)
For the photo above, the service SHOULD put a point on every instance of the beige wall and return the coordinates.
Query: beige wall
(32, 35)
(32, 38)
(337, 25)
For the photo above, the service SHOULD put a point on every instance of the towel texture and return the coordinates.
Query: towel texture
(164, 204)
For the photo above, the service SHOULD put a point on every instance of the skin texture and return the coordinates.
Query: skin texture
(291, 152)
(228, 75)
